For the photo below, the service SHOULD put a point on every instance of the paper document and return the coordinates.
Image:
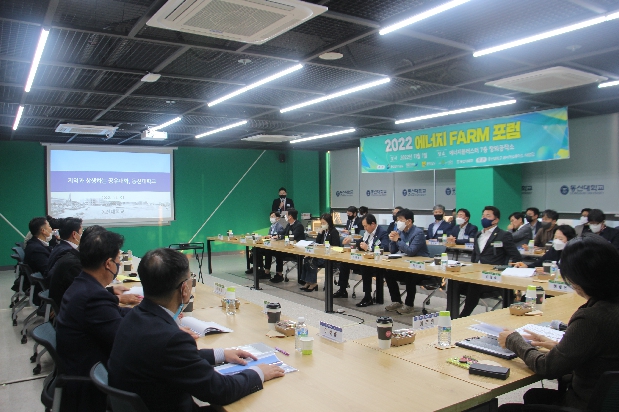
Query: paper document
(135, 290)
(519, 272)
(125, 278)
(202, 328)
(488, 329)
(272, 359)
(395, 255)
(337, 249)
(449, 262)
(550, 333)
(303, 243)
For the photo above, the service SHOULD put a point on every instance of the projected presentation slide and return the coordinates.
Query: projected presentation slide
(100, 186)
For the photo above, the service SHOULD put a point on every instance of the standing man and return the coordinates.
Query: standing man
(493, 246)
(463, 230)
(597, 225)
(409, 240)
(439, 227)
(532, 216)
(521, 233)
(282, 203)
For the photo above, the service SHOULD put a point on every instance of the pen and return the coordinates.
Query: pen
(282, 351)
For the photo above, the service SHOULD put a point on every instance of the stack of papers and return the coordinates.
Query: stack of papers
(135, 290)
(519, 272)
(271, 359)
(550, 333)
(202, 328)
(303, 243)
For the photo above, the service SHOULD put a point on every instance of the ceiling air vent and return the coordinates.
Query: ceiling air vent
(86, 129)
(547, 80)
(247, 21)
(270, 138)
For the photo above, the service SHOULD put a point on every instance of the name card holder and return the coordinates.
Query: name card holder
(219, 289)
(243, 240)
(331, 332)
(559, 286)
(356, 256)
(491, 276)
(434, 242)
(415, 264)
(266, 242)
(309, 249)
(220, 237)
(422, 322)
(469, 246)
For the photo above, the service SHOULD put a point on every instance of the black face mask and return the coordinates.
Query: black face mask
(529, 218)
(546, 225)
(394, 218)
(117, 270)
(438, 217)
(351, 217)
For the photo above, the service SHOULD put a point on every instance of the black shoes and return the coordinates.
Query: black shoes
(342, 293)
(315, 288)
(365, 302)
(277, 279)
(301, 282)
(249, 271)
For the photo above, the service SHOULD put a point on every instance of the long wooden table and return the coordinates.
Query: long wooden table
(356, 375)
(471, 273)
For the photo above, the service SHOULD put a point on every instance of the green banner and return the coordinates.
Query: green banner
(522, 138)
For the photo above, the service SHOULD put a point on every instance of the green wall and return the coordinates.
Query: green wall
(203, 177)
(498, 186)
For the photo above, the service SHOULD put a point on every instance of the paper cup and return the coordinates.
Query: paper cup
(384, 327)
(274, 313)
(307, 345)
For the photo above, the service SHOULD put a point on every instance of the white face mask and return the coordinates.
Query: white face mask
(459, 221)
(324, 227)
(401, 225)
(558, 244)
(595, 228)
(584, 220)
(273, 220)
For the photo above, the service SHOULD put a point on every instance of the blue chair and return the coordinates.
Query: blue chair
(121, 401)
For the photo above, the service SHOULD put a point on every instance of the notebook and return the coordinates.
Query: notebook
(202, 328)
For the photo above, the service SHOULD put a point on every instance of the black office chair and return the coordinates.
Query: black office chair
(49, 305)
(25, 291)
(18, 256)
(51, 396)
(34, 278)
(121, 401)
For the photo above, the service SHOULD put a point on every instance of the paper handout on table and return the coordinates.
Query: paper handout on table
(125, 278)
(550, 333)
(303, 243)
(270, 359)
(135, 290)
(395, 256)
(202, 328)
(488, 329)
(519, 272)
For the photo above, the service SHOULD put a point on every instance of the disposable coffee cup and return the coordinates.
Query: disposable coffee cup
(547, 264)
(384, 326)
(540, 297)
(471, 240)
(307, 345)
(274, 313)
(437, 260)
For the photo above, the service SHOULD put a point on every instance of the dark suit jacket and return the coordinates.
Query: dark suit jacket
(551, 255)
(444, 226)
(36, 255)
(297, 229)
(496, 255)
(155, 359)
(612, 235)
(62, 274)
(85, 331)
(354, 225)
(57, 252)
(276, 202)
(469, 231)
(332, 236)
(381, 235)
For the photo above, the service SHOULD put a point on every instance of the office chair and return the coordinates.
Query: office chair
(33, 278)
(49, 303)
(18, 256)
(26, 295)
(51, 396)
(121, 401)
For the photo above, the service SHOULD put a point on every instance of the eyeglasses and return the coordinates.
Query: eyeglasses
(191, 277)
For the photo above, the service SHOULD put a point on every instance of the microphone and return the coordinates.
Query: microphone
(558, 325)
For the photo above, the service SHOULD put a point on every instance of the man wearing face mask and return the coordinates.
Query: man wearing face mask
(353, 224)
(168, 369)
(363, 211)
(282, 203)
(392, 225)
(70, 235)
(89, 318)
(549, 225)
(520, 232)
(275, 231)
(493, 246)
(463, 230)
(36, 253)
(584, 222)
(597, 225)
(293, 228)
(532, 216)
(439, 228)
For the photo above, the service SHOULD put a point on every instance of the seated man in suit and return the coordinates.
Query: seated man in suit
(374, 236)
(395, 211)
(547, 232)
(352, 224)
(167, 368)
(293, 228)
(463, 230)
(89, 318)
(439, 228)
(70, 235)
(36, 253)
(493, 246)
(410, 241)
(520, 231)
(597, 225)
(532, 216)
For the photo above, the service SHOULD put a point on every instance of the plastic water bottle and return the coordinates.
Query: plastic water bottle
(300, 331)
(444, 328)
(531, 296)
(444, 238)
(286, 241)
(444, 261)
(327, 247)
(554, 268)
(230, 301)
(376, 253)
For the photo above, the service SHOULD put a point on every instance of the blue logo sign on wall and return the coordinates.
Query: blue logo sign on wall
(374, 192)
(527, 190)
(582, 189)
(344, 193)
(450, 191)
(413, 192)
(565, 190)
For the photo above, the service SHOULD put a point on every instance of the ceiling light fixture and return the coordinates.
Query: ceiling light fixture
(166, 124)
(221, 129)
(320, 136)
(608, 84)
(151, 77)
(331, 56)
(547, 34)
(458, 111)
(37, 58)
(254, 85)
(20, 111)
(422, 16)
(338, 94)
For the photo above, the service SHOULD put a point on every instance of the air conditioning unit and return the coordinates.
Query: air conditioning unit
(86, 129)
(247, 21)
(153, 135)
(547, 80)
(271, 138)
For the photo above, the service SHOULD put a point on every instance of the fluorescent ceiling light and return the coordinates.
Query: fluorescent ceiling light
(151, 77)
(254, 85)
(20, 111)
(221, 129)
(467, 109)
(547, 34)
(320, 136)
(422, 16)
(609, 84)
(166, 124)
(37, 58)
(338, 94)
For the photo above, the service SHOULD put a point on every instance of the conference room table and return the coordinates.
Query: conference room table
(356, 375)
(470, 273)
(457, 249)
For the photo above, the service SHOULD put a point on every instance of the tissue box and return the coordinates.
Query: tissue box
(223, 303)
(519, 309)
(401, 337)
(286, 327)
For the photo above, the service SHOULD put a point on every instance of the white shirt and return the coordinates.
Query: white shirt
(461, 232)
(483, 238)
(370, 239)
